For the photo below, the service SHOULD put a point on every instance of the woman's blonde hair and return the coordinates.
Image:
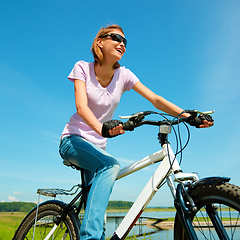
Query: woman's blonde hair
(96, 50)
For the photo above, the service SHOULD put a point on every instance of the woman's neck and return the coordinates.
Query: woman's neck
(104, 73)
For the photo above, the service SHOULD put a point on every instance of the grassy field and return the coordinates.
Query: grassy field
(9, 223)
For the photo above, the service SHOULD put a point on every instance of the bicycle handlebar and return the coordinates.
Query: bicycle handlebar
(136, 120)
(130, 125)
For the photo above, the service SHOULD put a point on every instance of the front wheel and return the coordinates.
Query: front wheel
(225, 198)
(68, 229)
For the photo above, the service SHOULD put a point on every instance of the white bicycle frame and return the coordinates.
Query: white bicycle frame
(167, 166)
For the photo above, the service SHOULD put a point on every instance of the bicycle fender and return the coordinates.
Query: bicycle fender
(208, 180)
(57, 202)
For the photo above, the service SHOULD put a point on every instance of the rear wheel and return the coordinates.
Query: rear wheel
(225, 198)
(47, 212)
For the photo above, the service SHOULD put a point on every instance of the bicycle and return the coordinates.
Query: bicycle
(200, 203)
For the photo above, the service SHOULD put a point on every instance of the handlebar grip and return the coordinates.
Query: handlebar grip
(198, 122)
(128, 126)
(194, 122)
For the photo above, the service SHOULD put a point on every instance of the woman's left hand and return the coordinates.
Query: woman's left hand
(207, 121)
(206, 124)
(201, 121)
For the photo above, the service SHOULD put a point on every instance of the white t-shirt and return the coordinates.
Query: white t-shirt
(102, 101)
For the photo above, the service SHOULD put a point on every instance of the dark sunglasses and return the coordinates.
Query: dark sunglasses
(116, 37)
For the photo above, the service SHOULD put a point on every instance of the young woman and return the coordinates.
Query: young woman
(98, 89)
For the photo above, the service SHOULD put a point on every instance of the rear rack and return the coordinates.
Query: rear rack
(53, 192)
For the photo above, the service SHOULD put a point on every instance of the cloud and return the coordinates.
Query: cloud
(17, 193)
(12, 198)
(39, 201)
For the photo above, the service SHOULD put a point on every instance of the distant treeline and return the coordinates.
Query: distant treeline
(119, 205)
(27, 206)
(16, 206)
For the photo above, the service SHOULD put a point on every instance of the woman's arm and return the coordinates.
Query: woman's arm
(158, 101)
(162, 104)
(82, 107)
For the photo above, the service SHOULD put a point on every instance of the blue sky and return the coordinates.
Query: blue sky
(186, 51)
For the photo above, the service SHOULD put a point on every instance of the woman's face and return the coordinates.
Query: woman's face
(112, 49)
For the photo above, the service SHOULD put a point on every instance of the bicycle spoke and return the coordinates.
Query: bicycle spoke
(200, 225)
(203, 222)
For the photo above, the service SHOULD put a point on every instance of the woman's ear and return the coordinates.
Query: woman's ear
(100, 43)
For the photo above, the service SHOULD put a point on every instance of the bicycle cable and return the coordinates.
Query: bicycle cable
(168, 153)
(178, 142)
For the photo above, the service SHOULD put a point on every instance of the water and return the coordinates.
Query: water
(142, 229)
(155, 234)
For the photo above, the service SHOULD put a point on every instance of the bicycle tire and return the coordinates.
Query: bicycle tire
(48, 211)
(226, 197)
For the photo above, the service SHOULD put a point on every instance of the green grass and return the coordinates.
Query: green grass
(9, 222)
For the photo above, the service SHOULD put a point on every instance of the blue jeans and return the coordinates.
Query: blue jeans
(100, 168)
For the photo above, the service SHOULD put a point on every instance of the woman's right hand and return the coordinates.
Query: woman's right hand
(112, 128)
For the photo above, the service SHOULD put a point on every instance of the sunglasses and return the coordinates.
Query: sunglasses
(116, 37)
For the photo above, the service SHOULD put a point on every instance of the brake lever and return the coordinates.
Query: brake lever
(132, 116)
(138, 115)
(205, 113)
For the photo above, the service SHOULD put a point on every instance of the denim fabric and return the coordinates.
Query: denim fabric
(100, 168)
